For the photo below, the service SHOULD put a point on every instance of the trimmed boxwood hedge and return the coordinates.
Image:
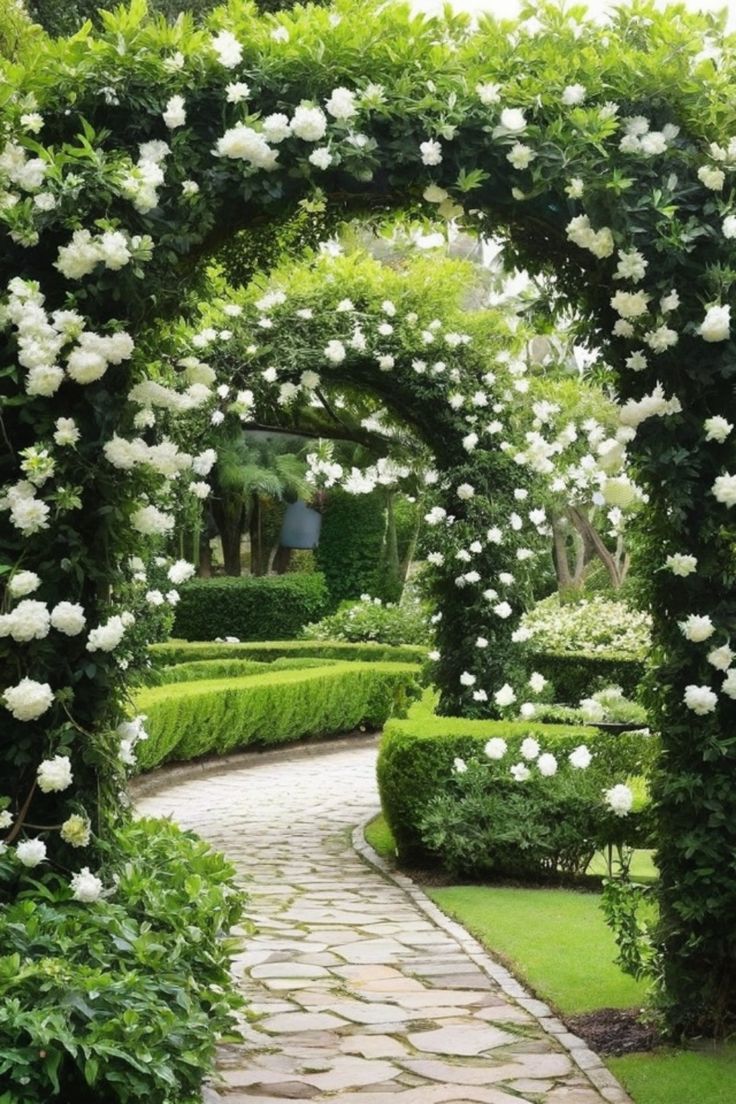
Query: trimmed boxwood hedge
(415, 762)
(251, 608)
(226, 668)
(186, 720)
(576, 675)
(182, 651)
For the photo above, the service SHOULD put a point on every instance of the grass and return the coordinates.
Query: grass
(707, 1076)
(557, 942)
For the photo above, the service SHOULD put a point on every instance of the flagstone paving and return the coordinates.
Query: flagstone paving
(360, 992)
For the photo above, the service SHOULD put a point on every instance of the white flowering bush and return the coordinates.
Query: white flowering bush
(593, 626)
(600, 150)
(371, 619)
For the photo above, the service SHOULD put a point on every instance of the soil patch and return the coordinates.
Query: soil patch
(614, 1031)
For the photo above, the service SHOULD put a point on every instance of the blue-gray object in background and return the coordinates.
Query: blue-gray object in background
(301, 526)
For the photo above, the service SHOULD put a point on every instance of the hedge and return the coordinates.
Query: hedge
(227, 668)
(576, 675)
(251, 608)
(184, 651)
(416, 757)
(350, 544)
(186, 720)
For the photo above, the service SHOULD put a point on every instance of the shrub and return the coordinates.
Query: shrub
(349, 550)
(250, 608)
(415, 762)
(227, 668)
(594, 626)
(486, 823)
(124, 999)
(215, 716)
(371, 620)
(607, 706)
(574, 675)
(178, 651)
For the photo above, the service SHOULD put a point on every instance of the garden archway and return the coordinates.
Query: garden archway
(602, 153)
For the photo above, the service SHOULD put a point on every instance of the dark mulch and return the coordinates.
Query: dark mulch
(614, 1031)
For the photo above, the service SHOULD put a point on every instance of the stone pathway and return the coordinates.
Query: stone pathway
(361, 991)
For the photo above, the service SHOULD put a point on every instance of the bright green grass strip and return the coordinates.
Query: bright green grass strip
(555, 940)
(380, 837)
(643, 868)
(704, 1076)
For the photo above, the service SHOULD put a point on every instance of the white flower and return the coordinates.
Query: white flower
(701, 699)
(105, 638)
(23, 583)
(341, 104)
(573, 94)
(488, 93)
(321, 158)
(29, 700)
(711, 177)
(466, 679)
(716, 325)
(513, 119)
(527, 710)
(309, 123)
(28, 621)
(729, 683)
(431, 152)
(680, 564)
(630, 304)
(280, 34)
(669, 302)
(717, 429)
(619, 799)
(724, 490)
(503, 610)
(175, 116)
(547, 764)
(6, 818)
(228, 49)
(481, 642)
(575, 188)
(237, 91)
(76, 831)
(520, 156)
(619, 491)
(244, 143)
(335, 351)
(66, 432)
(494, 535)
(537, 682)
(496, 748)
(520, 772)
(55, 774)
(459, 766)
(68, 618)
(529, 748)
(631, 266)
(470, 441)
(86, 887)
(31, 852)
(199, 489)
(580, 758)
(721, 658)
(189, 187)
(505, 696)
(728, 227)
(697, 628)
(465, 491)
(150, 521)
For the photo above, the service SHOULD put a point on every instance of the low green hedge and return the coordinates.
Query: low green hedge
(575, 675)
(182, 651)
(186, 720)
(416, 757)
(251, 608)
(227, 668)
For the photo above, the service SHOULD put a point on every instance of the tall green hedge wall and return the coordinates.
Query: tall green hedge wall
(274, 607)
(350, 544)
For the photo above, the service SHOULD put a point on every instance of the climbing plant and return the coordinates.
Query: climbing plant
(603, 153)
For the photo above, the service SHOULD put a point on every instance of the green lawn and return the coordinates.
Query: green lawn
(556, 941)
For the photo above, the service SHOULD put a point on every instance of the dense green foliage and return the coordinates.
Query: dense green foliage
(122, 1000)
(416, 764)
(226, 668)
(270, 608)
(186, 720)
(486, 824)
(597, 626)
(371, 620)
(575, 675)
(177, 651)
(349, 550)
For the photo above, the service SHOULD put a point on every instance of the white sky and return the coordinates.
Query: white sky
(598, 7)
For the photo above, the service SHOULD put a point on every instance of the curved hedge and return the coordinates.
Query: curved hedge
(415, 762)
(183, 651)
(227, 668)
(251, 607)
(186, 720)
(576, 675)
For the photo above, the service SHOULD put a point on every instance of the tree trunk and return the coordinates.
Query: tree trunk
(281, 560)
(591, 536)
(391, 569)
(258, 563)
(228, 514)
(409, 557)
